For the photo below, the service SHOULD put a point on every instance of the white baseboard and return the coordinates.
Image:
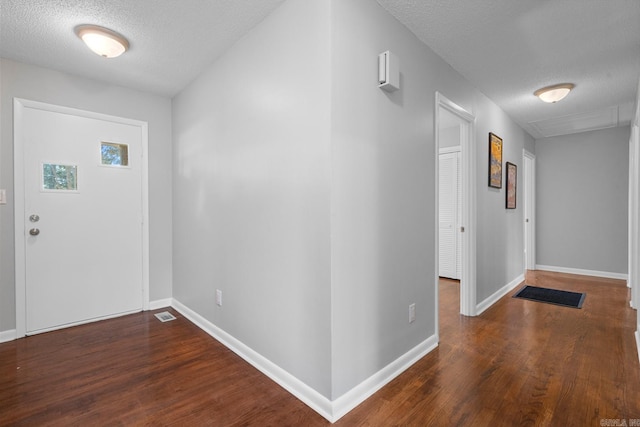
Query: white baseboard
(331, 410)
(306, 394)
(6, 336)
(361, 392)
(594, 273)
(160, 303)
(498, 294)
(153, 305)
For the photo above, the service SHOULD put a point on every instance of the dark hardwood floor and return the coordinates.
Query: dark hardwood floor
(519, 363)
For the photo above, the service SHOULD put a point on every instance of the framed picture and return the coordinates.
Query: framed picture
(512, 179)
(495, 161)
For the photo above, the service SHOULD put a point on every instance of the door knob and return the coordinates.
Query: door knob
(34, 231)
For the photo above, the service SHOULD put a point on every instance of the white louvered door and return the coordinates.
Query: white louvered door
(450, 215)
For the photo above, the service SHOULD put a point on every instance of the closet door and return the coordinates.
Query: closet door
(449, 209)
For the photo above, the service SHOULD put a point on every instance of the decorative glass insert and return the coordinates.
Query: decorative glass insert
(59, 177)
(113, 154)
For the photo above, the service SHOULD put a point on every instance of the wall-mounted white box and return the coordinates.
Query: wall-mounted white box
(388, 71)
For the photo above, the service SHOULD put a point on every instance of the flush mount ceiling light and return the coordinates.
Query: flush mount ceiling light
(554, 93)
(103, 41)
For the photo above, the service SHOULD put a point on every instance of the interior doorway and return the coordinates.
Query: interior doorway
(449, 197)
(455, 222)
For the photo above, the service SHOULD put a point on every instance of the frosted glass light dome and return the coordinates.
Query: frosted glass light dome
(554, 93)
(102, 41)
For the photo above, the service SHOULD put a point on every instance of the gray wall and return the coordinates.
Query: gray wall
(45, 85)
(251, 191)
(500, 244)
(582, 200)
(383, 192)
(307, 195)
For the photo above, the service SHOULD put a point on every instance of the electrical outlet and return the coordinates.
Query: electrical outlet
(219, 297)
(412, 312)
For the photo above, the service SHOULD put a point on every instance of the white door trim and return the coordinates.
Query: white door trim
(446, 150)
(19, 194)
(468, 188)
(530, 206)
(634, 215)
(633, 280)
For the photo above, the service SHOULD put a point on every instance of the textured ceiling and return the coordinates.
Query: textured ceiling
(506, 48)
(172, 41)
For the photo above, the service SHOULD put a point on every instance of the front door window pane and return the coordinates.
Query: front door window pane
(114, 154)
(59, 177)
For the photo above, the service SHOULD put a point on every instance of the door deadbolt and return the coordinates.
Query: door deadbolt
(34, 218)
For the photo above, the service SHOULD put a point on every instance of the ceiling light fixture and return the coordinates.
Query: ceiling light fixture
(103, 41)
(554, 93)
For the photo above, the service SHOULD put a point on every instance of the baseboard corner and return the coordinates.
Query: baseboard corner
(361, 392)
(6, 336)
(160, 303)
(484, 305)
(331, 410)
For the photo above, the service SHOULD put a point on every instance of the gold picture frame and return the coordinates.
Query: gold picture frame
(495, 161)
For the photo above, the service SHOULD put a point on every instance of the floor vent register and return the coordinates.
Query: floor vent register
(165, 316)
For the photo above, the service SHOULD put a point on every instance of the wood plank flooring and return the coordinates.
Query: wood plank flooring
(519, 363)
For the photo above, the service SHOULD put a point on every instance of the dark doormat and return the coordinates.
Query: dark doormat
(551, 296)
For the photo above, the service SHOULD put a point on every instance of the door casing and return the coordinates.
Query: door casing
(19, 198)
(529, 162)
(468, 306)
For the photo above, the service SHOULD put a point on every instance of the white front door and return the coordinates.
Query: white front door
(82, 217)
